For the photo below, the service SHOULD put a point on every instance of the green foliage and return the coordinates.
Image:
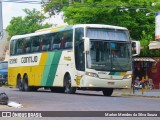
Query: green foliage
(144, 43)
(30, 23)
(127, 13)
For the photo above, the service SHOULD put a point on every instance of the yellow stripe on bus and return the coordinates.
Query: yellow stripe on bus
(122, 73)
(40, 69)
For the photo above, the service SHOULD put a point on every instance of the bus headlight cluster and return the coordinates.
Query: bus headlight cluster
(92, 74)
(127, 76)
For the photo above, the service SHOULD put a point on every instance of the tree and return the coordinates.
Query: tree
(107, 12)
(127, 13)
(30, 23)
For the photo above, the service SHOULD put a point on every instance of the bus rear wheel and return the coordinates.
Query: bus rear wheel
(25, 84)
(19, 84)
(68, 87)
(107, 91)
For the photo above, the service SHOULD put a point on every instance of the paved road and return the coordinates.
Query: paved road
(44, 100)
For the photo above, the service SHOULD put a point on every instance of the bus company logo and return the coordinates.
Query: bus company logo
(68, 58)
(29, 59)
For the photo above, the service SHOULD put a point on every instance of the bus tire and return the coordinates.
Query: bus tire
(57, 89)
(107, 91)
(20, 84)
(25, 84)
(68, 87)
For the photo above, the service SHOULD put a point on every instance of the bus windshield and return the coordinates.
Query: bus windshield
(111, 56)
(110, 49)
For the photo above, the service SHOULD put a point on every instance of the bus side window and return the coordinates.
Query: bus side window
(63, 40)
(27, 45)
(12, 47)
(46, 42)
(79, 48)
(35, 44)
(45, 47)
(19, 46)
(56, 46)
(56, 42)
(69, 36)
(27, 49)
(68, 45)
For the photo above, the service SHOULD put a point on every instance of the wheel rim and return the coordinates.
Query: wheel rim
(68, 85)
(25, 86)
(19, 85)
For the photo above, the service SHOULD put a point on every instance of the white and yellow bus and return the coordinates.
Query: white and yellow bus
(67, 58)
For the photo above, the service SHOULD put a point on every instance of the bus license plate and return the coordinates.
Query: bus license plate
(110, 83)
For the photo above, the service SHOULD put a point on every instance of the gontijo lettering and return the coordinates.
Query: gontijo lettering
(30, 59)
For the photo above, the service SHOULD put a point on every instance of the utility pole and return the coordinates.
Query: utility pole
(1, 21)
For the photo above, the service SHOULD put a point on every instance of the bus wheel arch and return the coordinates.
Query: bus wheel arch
(19, 82)
(68, 85)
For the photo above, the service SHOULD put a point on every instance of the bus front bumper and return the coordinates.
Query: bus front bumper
(93, 82)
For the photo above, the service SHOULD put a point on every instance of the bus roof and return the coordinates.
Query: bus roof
(43, 31)
(100, 26)
(64, 28)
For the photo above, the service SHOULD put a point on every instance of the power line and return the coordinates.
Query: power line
(31, 2)
(24, 1)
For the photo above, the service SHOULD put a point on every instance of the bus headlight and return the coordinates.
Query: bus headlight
(92, 74)
(127, 76)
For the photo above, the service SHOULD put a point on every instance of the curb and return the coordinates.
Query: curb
(3, 106)
(135, 95)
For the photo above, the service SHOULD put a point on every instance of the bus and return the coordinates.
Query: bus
(72, 57)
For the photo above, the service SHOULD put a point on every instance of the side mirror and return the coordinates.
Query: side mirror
(86, 44)
(135, 48)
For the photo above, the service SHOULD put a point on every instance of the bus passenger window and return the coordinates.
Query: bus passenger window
(19, 51)
(68, 39)
(19, 46)
(27, 50)
(27, 45)
(63, 41)
(46, 42)
(45, 47)
(68, 45)
(56, 46)
(56, 42)
(36, 44)
(12, 47)
(37, 49)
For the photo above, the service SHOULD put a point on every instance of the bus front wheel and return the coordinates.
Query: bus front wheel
(68, 87)
(107, 91)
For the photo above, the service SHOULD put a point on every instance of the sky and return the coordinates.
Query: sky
(11, 9)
